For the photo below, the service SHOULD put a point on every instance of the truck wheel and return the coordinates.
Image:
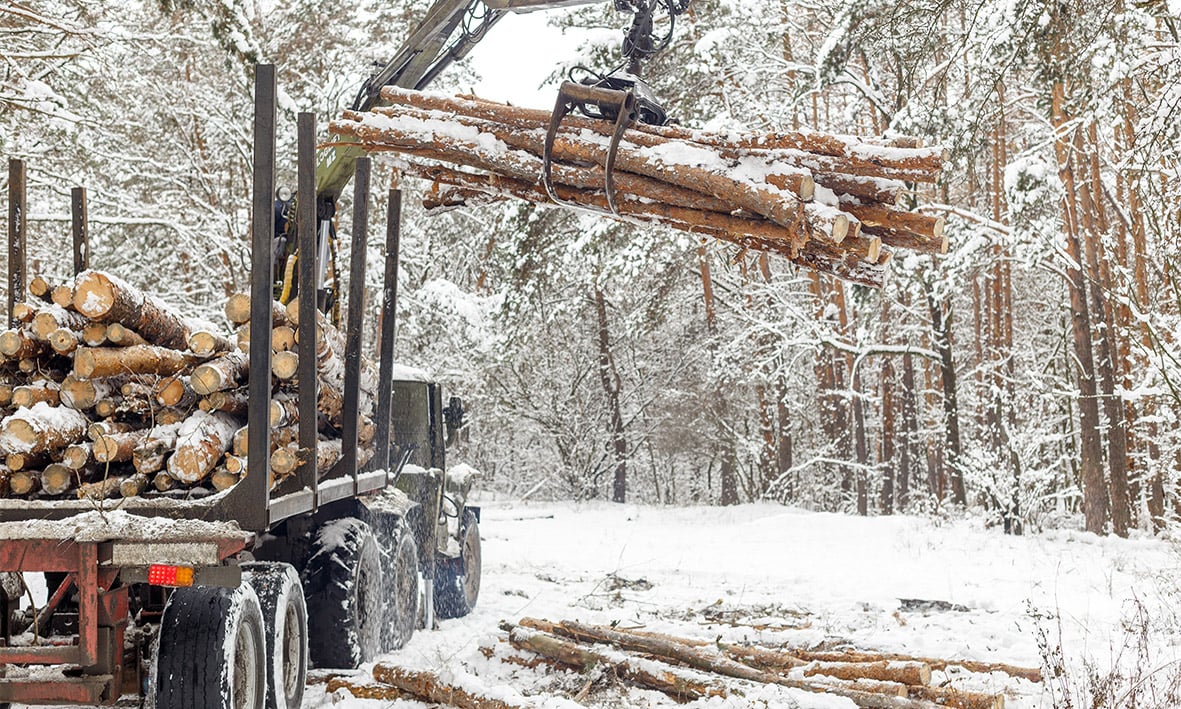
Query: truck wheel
(457, 586)
(343, 583)
(211, 652)
(285, 619)
(400, 569)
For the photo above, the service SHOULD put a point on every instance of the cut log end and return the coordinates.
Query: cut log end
(840, 228)
(95, 295)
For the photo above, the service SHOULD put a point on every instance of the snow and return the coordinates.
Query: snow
(805, 578)
(98, 525)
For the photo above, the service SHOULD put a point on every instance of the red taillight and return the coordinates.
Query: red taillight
(168, 575)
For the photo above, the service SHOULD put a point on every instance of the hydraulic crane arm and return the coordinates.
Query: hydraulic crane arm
(428, 51)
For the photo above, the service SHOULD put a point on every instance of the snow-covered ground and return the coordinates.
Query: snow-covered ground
(804, 578)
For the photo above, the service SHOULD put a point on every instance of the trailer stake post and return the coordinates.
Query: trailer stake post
(356, 319)
(17, 215)
(253, 513)
(389, 315)
(306, 224)
(80, 228)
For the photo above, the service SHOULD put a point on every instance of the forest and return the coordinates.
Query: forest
(1030, 376)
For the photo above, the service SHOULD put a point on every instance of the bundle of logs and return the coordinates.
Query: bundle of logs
(691, 668)
(825, 202)
(106, 391)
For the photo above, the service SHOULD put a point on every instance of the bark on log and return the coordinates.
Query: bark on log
(101, 489)
(119, 334)
(23, 313)
(648, 674)
(235, 402)
(220, 374)
(134, 485)
(104, 428)
(201, 441)
(149, 455)
(429, 687)
(51, 318)
(284, 412)
(117, 447)
(902, 672)
(98, 362)
(1028, 673)
(176, 391)
(41, 428)
(19, 344)
(39, 288)
(107, 298)
(30, 394)
(26, 461)
(380, 692)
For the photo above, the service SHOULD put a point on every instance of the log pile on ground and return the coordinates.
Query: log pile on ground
(687, 669)
(825, 202)
(111, 392)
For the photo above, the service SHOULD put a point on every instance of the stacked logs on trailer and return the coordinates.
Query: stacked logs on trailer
(825, 202)
(688, 669)
(106, 391)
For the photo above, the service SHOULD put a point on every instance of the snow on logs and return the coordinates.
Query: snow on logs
(139, 399)
(825, 202)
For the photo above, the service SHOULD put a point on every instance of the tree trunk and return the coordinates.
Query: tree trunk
(609, 378)
(888, 447)
(941, 336)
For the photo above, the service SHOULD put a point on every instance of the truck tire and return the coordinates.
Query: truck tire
(400, 569)
(457, 581)
(285, 620)
(343, 584)
(211, 651)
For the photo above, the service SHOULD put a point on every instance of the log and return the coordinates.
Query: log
(282, 338)
(206, 343)
(103, 428)
(23, 313)
(117, 447)
(51, 318)
(284, 412)
(857, 156)
(41, 428)
(648, 674)
(23, 482)
(164, 482)
(380, 692)
(957, 698)
(706, 659)
(238, 310)
(175, 391)
(101, 489)
(285, 365)
(82, 394)
(242, 337)
(902, 672)
(30, 394)
(98, 362)
(107, 298)
(5, 395)
(26, 461)
(63, 296)
(119, 334)
(95, 334)
(77, 456)
(149, 455)
(201, 441)
(108, 407)
(222, 479)
(235, 464)
(220, 374)
(235, 402)
(133, 485)
(63, 341)
(57, 479)
(429, 687)
(1027, 673)
(40, 289)
(18, 344)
